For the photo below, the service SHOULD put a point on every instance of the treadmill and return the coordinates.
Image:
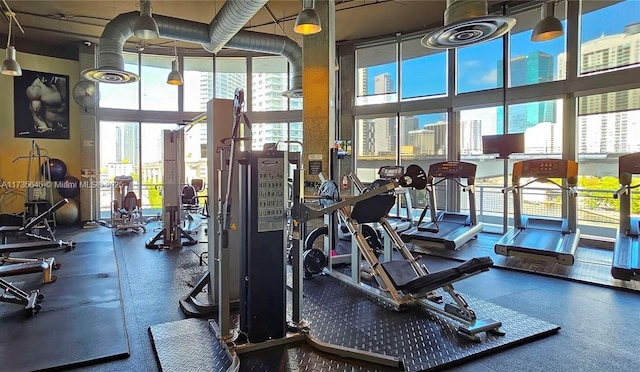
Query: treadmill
(448, 230)
(398, 222)
(543, 238)
(626, 256)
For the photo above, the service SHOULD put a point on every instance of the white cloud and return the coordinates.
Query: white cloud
(488, 78)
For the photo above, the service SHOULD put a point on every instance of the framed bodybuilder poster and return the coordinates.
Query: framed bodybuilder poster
(41, 105)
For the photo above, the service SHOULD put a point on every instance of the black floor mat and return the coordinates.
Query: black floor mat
(592, 265)
(344, 316)
(81, 321)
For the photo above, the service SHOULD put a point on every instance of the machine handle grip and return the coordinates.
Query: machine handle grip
(621, 191)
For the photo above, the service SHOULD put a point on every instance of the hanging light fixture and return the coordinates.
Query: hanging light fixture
(549, 27)
(308, 21)
(175, 77)
(10, 66)
(146, 27)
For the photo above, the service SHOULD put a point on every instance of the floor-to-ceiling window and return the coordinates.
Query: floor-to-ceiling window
(479, 66)
(376, 145)
(156, 93)
(515, 85)
(119, 156)
(423, 141)
(198, 83)
(609, 35)
(608, 126)
(473, 124)
(133, 116)
(376, 74)
(151, 165)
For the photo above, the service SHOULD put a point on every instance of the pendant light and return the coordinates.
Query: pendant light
(146, 27)
(10, 66)
(175, 77)
(549, 27)
(308, 21)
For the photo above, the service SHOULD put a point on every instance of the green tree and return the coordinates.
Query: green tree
(155, 199)
(594, 198)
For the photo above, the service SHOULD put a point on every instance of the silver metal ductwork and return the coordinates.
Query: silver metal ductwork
(467, 22)
(232, 17)
(222, 31)
(276, 44)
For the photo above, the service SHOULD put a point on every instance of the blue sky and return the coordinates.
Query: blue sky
(478, 63)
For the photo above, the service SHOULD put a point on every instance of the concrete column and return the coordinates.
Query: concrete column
(318, 84)
(345, 99)
(89, 145)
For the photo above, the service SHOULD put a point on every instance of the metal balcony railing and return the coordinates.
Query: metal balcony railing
(597, 210)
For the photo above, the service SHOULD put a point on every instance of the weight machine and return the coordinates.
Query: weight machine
(400, 282)
(251, 238)
(172, 234)
(126, 212)
(39, 189)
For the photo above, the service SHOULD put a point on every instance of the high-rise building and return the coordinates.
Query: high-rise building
(408, 123)
(131, 139)
(118, 139)
(532, 68)
(377, 136)
(606, 121)
(430, 140)
(471, 137)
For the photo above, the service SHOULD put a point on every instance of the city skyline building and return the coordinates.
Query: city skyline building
(607, 122)
(532, 68)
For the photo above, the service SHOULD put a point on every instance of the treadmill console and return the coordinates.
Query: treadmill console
(629, 163)
(391, 172)
(545, 168)
(452, 169)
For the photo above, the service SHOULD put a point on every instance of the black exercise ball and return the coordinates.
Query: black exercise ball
(68, 187)
(56, 168)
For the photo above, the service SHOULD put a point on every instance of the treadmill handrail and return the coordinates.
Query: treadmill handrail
(573, 190)
(623, 190)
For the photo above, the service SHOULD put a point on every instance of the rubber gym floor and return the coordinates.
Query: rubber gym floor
(599, 325)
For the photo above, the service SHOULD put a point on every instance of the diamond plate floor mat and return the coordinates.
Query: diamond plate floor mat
(347, 317)
(188, 345)
(592, 265)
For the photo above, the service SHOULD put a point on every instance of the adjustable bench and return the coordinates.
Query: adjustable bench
(6, 231)
(14, 295)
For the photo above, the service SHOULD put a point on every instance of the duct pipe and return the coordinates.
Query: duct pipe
(230, 19)
(111, 61)
(275, 44)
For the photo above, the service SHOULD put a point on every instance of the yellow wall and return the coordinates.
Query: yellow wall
(67, 150)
